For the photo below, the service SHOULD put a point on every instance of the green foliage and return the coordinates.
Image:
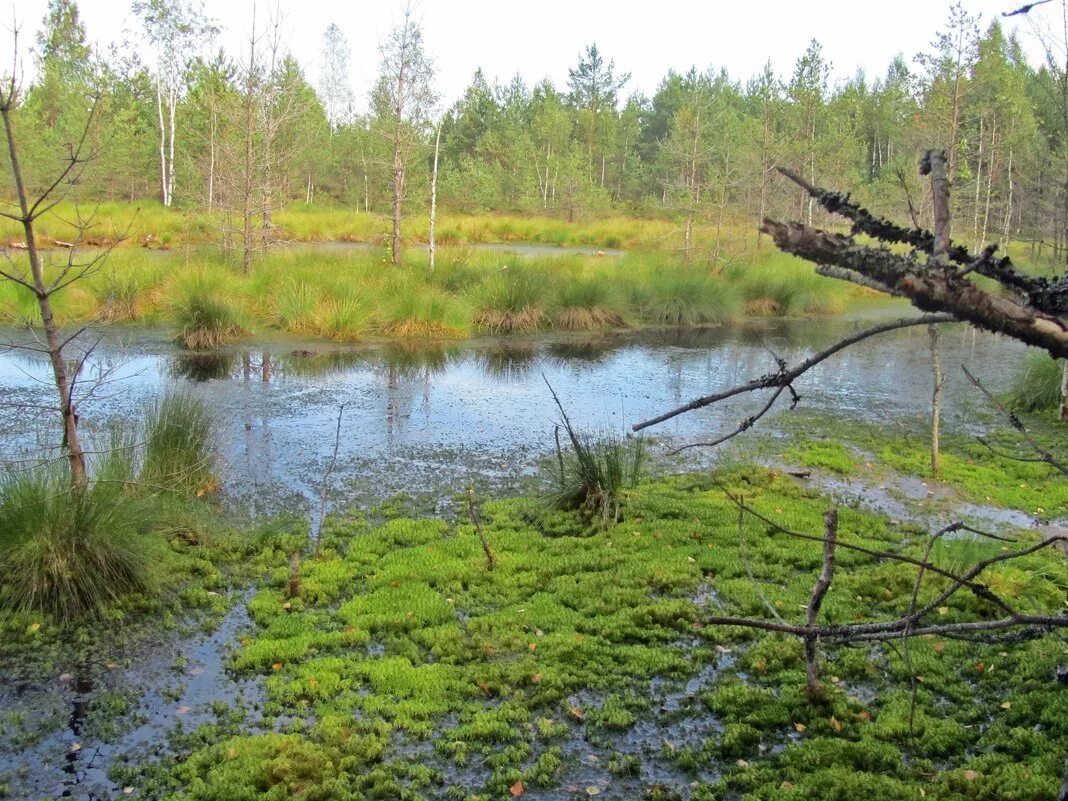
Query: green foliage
(1037, 387)
(70, 551)
(179, 444)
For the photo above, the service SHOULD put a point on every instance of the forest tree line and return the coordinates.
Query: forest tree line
(246, 133)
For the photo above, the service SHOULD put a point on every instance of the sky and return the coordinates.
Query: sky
(543, 38)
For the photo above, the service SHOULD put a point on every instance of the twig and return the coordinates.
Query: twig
(1018, 425)
(783, 377)
(326, 478)
(476, 521)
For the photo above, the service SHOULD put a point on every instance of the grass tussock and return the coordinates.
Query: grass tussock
(179, 451)
(686, 298)
(206, 313)
(592, 475)
(423, 312)
(513, 300)
(69, 551)
(1037, 387)
(783, 286)
(588, 303)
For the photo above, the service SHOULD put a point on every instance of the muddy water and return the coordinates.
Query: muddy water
(432, 419)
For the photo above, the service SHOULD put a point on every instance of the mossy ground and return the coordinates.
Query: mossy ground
(1002, 473)
(579, 665)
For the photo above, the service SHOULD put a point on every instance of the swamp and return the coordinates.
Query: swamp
(704, 443)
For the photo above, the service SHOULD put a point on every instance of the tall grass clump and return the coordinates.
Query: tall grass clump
(293, 305)
(1037, 387)
(781, 286)
(587, 303)
(179, 451)
(71, 551)
(206, 313)
(513, 299)
(344, 318)
(412, 310)
(593, 474)
(684, 298)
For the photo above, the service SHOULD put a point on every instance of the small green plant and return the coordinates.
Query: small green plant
(1038, 386)
(593, 474)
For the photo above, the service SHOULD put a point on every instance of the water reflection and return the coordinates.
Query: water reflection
(438, 416)
(508, 361)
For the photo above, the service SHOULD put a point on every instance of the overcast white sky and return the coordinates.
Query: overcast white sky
(542, 38)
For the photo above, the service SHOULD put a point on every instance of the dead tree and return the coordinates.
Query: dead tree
(44, 285)
(1008, 622)
(935, 275)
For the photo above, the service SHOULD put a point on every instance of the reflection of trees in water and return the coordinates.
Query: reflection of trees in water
(312, 363)
(261, 366)
(508, 361)
(586, 351)
(199, 367)
(418, 359)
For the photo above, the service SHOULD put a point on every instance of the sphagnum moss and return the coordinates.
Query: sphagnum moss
(415, 672)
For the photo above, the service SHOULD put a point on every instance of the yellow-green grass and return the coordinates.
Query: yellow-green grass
(148, 223)
(348, 294)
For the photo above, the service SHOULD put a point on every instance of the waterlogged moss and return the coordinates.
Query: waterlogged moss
(827, 454)
(408, 669)
(1006, 474)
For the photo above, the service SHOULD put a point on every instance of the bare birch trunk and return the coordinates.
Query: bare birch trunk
(170, 147)
(164, 198)
(434, 198)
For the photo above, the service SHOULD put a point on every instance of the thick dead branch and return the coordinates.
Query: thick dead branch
(1044, 295)
(927, 289)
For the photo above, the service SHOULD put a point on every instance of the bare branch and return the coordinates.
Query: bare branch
(784, 377)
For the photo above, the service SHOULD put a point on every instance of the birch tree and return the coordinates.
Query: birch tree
(176, 30)
(402, 101)
(334, 84)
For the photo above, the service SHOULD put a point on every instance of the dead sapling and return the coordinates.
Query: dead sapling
(1006, 624)
(476, 521)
